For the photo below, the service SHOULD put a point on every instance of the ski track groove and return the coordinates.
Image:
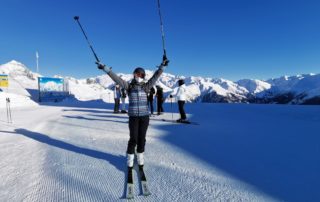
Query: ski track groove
(66, 181)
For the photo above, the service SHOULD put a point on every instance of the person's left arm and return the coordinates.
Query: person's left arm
(151, 82)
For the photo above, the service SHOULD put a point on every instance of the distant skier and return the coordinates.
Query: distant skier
(138, 107)
(123, 100)
(150, 99)
(117, 95)
(181, 97)
(159, 99)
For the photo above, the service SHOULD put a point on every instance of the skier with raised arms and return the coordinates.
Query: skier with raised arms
(138, 108)
(138, 112)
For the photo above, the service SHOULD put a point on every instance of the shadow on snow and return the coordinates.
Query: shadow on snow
(276, 151)
(94, 119)
(116, 161)
(73, 183)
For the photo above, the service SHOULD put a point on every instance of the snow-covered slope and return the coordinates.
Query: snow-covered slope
(89, 89)
(22, 85)
(16, 100)
(254, 86)
(239, 152)
(20, 78)
(300, 89)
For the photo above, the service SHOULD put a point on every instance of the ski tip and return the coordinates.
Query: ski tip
(145, 190)
(130, 197)
(130, 191)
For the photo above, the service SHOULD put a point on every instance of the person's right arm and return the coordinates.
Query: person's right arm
(122, 83)
(178, 93)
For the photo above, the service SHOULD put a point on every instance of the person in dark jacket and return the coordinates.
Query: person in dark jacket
(117, 95)
(159, 99)
(138, 107)
(150, 98)
(123, 100)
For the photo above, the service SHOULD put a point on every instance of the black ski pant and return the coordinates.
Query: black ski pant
(181, 109)
(151, 105)
(138, 129)
(116, 104)
(159, 105)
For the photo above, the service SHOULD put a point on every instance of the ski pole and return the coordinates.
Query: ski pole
(9, 110)
(9, 118)
(94, 53)
(162, 32)
(171, 108)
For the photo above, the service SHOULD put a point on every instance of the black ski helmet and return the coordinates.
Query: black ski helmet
(180, 82)
(140, 70)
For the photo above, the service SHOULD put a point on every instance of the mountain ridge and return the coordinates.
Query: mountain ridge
(299, 89)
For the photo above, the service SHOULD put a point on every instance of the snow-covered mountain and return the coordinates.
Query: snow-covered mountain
(254, 86)
(300, 89)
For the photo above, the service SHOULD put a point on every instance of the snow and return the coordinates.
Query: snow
(313, 93)
(309, 83)
(238, 152)
(86, 92)
(75, 150)
(12, 66)
(15, 100)
(293, 83)
(254, 86)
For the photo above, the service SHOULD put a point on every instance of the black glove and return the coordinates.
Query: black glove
(103, 67)
(165, 61)
(100, 65)
(171, 96)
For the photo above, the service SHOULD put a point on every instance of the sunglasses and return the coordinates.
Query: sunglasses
(141, 75)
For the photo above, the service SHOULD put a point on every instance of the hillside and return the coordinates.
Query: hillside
(300, 89)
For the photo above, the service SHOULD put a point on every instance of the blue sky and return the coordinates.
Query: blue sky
(232, 39)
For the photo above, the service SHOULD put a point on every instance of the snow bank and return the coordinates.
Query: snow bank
(16, 100)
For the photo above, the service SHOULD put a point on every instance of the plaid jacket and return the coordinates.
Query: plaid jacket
(137, 92)
(138, 102)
